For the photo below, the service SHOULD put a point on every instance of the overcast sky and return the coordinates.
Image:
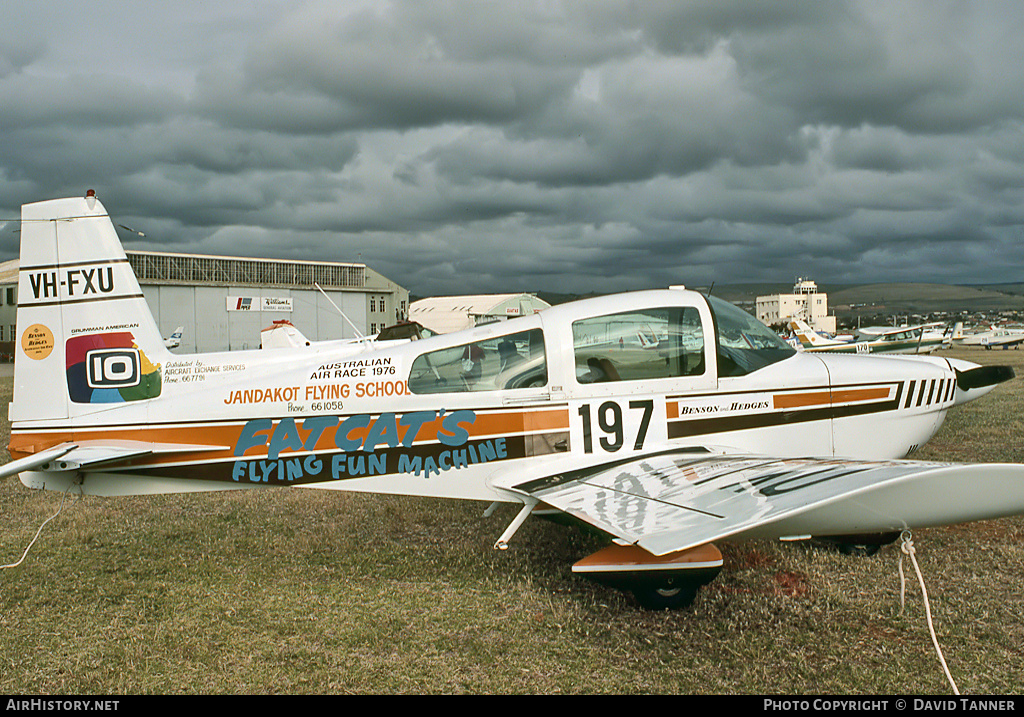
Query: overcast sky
(462, 147)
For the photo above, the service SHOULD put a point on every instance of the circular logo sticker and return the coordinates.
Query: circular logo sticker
(37, 342)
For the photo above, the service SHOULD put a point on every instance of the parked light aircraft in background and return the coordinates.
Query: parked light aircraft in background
(720, 432)
(937, 334)
(1004, 338)
(900, 340)
(282, 334)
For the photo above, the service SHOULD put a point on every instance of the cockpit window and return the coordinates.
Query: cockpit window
(639, 345)
(497, 363)
(744, 343)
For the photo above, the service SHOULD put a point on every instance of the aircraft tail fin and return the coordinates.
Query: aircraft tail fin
(86, 337)
(174, 340)
(807, 336)
(282, 334)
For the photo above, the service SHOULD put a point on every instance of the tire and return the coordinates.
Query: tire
(665, 597)
(855, 549)
(862, 544)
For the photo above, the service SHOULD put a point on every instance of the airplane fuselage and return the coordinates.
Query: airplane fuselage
(437, 417)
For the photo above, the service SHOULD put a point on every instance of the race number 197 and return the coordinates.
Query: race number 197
(610, 425)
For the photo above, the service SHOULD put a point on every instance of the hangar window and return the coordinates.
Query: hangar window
(498, 363)
(639, 345)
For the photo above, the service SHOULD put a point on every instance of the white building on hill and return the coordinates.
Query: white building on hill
(805, 303)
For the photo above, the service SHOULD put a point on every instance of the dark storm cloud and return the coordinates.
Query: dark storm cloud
(586, 146)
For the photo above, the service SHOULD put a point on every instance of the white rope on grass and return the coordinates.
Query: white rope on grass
(39, 532)
(907, 548)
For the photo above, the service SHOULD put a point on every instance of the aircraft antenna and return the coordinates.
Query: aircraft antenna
(710, 288)
(359, 334)
(133, 231)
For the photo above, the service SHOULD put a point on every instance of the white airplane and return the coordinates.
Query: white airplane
(723, 433)
(174, 340)
(1004, 338)
(935, 331)
(901, 340)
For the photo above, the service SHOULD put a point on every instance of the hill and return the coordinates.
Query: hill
(922, 299)
(902, 298)
(851, 300)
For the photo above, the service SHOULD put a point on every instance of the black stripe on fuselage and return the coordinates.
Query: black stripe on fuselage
(725, 424)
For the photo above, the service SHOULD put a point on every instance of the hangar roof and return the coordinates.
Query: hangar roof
(151, 266)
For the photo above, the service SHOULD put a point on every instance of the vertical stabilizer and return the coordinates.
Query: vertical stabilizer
(86, 337)
(808, 337)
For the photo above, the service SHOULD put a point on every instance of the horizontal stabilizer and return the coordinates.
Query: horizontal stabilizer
(65, 464)
(36, 460)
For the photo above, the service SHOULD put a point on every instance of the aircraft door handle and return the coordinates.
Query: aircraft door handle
(524, 400)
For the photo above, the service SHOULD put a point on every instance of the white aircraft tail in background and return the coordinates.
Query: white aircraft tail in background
(811, 339)
(283, 334)
(174, 340)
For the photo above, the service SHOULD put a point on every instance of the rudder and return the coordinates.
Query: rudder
(86, 337)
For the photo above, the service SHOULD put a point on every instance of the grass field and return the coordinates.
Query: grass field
(303, 591)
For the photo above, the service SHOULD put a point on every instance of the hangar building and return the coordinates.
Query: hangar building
(445, 314)
(222, 303)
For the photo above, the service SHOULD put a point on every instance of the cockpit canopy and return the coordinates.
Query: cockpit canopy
(639, 344)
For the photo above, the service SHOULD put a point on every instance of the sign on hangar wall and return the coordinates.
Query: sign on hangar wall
(259, 303)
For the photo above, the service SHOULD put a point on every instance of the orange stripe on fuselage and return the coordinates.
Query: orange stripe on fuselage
(213, 435)
(824, 398)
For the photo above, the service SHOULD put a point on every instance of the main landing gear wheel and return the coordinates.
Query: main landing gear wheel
(861, 544)
(665, 597)
(857, 549)
(665, 582)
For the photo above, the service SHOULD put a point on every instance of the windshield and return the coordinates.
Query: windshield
(744, 343)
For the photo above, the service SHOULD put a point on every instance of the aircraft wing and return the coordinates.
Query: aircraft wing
(681, 499)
